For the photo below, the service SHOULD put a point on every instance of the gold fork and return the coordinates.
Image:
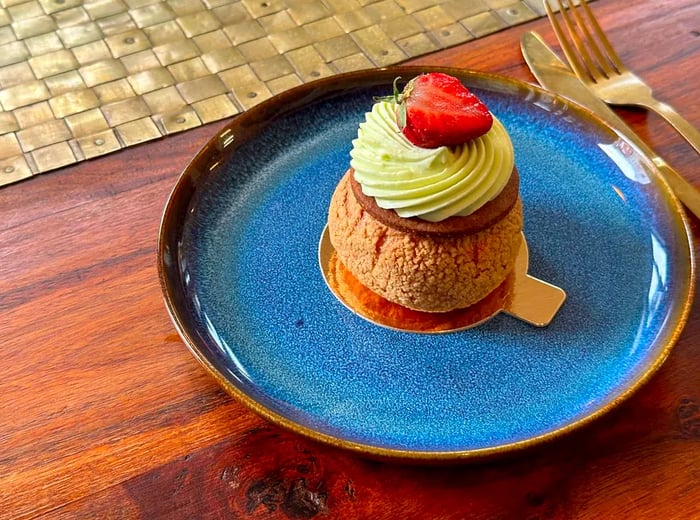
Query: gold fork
(596, 63)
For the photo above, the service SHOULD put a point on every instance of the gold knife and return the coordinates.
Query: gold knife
(554, 75)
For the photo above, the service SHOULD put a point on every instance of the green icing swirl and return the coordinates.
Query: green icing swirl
(429, 183)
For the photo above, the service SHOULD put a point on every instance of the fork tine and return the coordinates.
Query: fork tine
(575, 61)
(601, 63)
(574, 27)
(611, 55)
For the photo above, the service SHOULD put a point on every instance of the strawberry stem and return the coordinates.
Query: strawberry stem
(395, 96)
(397, 93)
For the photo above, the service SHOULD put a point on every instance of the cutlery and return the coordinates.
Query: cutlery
(554, 75)
(599, 66)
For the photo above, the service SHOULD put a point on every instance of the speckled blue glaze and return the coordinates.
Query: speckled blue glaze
(265, 320)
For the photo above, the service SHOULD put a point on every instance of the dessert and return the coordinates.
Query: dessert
(428, 216)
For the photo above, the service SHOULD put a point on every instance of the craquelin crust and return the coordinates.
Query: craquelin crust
(424, 272)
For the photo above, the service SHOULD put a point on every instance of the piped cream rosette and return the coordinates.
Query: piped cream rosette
(430, 183)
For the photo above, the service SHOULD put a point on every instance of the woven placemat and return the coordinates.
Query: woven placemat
(80, 79)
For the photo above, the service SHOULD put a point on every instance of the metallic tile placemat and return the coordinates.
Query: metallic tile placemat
(80, 79)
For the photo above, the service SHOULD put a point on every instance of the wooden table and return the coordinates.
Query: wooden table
(105, 413)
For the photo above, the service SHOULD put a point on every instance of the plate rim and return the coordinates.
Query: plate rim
(219, 146)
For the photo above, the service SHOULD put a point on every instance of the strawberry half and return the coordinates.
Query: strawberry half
(435, 109)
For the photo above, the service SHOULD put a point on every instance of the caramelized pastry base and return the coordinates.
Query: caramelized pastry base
(379, 310)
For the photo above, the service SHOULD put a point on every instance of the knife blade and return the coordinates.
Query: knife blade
(554, 75)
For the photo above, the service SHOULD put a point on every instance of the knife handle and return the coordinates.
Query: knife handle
(686, 192)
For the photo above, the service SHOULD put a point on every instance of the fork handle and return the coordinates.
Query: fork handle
(677, 121)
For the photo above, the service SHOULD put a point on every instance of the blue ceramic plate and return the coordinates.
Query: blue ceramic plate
(239, 270)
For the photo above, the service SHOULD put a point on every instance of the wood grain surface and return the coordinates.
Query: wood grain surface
(106, 414)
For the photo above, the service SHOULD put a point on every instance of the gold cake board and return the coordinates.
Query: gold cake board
(81, 79)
